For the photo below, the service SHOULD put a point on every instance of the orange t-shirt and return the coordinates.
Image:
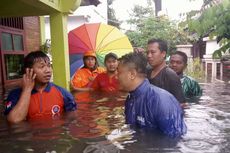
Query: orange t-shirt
(52, 101)
(83, 77)
(104, 82)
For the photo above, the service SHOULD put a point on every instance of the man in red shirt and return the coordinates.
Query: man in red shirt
(107, 81)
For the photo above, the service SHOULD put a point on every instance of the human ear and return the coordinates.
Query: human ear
(164, 54)
(185, 66)
(133, 74)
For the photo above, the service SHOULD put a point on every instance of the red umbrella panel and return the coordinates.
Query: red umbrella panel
(97, 37)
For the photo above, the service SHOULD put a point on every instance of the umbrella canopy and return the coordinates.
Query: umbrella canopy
(97, 37)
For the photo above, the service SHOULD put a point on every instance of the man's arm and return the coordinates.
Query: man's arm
(196, 89)
(169, 117)
(20, 110)
(78, 82)
(191, 87)
(95, 83)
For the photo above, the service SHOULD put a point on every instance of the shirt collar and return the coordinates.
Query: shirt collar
(181, 75)
(140, 89)
(47, 89)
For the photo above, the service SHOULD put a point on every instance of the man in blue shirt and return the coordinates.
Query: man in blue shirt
(147, 105)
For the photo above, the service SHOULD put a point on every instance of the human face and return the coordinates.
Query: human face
(90, 62)
(111, 65)
(42, 69)
(154, 55)
(177, 64)
(124, 77)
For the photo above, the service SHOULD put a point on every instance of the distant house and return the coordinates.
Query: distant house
(213, 67)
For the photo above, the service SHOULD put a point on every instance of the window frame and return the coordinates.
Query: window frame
(23, 52)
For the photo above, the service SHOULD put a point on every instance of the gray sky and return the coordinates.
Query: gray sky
(171, 7)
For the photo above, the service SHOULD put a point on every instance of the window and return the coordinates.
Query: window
(13, 66)
(7, 42)
(12, 42)
(18, 42)
(12, 49)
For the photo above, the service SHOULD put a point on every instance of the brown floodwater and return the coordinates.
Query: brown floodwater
(98, 126)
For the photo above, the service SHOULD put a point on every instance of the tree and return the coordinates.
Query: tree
(139, 14)
(146, 26)
(112, 20)
(212, 20)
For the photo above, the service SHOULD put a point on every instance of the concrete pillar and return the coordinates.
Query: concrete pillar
(214, 69)
(60, 50)
(206, 68)
(221, 71)
(42, 30)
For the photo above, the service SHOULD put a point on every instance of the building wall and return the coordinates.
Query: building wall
(187, 49)
(32, 33)
(84, 14)
(211, 46)
(215, 65)
(31, 42)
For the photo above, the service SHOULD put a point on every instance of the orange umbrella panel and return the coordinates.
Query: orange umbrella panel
(100, 38)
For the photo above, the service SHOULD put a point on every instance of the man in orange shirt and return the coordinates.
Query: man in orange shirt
(107, 81)
(37, 98)
(84, 76)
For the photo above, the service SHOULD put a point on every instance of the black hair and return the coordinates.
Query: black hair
(137, 59)
(110, 55)
(33, 57)
(182, 54)
(162, 44)
(96, 62)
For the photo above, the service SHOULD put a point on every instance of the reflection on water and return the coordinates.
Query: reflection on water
(98, 127)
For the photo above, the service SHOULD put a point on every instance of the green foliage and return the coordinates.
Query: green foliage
(195, 69)
(139, 14)
(146, 26)
(212, 21)
(153, 27)
(46, 46)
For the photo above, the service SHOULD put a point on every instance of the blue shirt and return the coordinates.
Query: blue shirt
(153, 107)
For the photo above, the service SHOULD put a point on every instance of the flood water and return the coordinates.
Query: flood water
(98, 127)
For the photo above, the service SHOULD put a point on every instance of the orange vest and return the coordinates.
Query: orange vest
(83, 77)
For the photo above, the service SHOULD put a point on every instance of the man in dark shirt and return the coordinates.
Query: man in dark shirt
(160, 75)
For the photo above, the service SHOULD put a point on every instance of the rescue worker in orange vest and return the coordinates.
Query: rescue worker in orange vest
(84, 76)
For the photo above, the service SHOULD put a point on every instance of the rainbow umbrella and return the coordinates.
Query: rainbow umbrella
(97, 37)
